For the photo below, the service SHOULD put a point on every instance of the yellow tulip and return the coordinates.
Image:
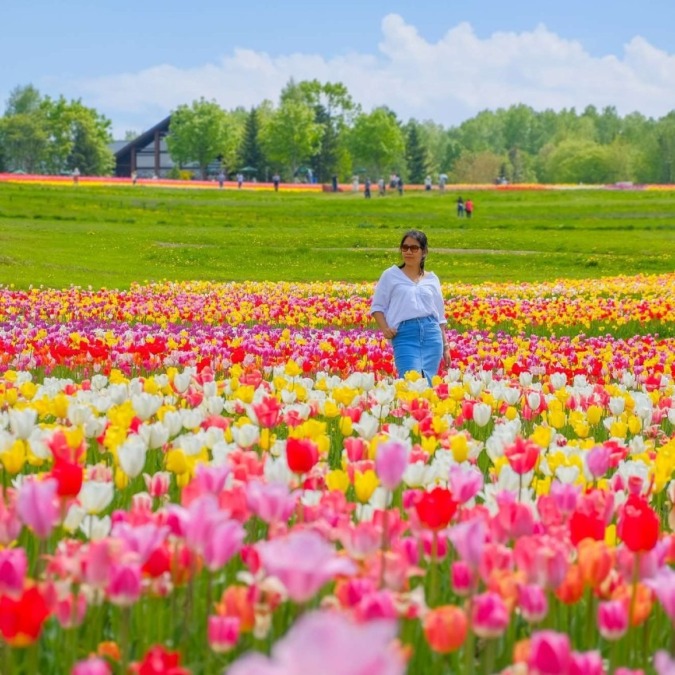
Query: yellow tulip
(14, 458)
(365, 484)
(337, 480)
(121, 479)
(459, 445)
(429, 444)
(330, 409)
(27, 390)
(176, 461)
(542, 436)
(618, 429)
(634, 424)
(557, 419)
(610, 535)
(511, 413)
(594, 414)
(292, 369)
(345, 426)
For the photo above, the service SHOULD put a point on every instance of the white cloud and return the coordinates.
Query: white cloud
(446, 81)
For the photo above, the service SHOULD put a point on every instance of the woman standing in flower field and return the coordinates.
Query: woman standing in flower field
(409, 310)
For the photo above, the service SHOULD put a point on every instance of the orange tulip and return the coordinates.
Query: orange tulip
(572, 588)
(642, 608)
(445, 628)
(236, 602)
(595, 561)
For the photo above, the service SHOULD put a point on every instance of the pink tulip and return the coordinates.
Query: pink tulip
(124, 584)
(465, 484)
(532, 603)
(462, 578)
(565, 496)
(303, 561)
(223, 633)
(598, 461)
(98, 559)
(225, 541)
(211, 478)
(10, 525)
(360, 539)
(391, 462)
(550, 653)
(70, 610)
(330, 644)
(158, 484)
(612, 619)
(522, 455)
(143, 540)
(664, 663)
(94, 665)
(586, 663)
(489, 615)
(271, 502)
(38, 505)
(468, 538)
(13, 567)
(376, 605)
(664, 587)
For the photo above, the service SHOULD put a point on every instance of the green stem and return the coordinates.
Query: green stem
(490, 653)
(385, 541)
(433, 572)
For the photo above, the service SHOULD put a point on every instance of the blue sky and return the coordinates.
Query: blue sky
(441, 59)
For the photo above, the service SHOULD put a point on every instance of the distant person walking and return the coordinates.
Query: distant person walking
(427, 183)
(276, 179)
(366, 191)
(460, 207)
(468, 207)
(240, 180)
(399, 185)
(334, 182)
(76, 176)
(134, 177)
(381, 187)
(221, 180)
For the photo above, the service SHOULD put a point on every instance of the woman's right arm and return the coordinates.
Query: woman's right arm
(387, 331)
(380, 304)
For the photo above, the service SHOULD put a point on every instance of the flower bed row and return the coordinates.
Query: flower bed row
(276, 523)
(606, 303)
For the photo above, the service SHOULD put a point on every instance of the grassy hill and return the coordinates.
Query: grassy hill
(111, 236)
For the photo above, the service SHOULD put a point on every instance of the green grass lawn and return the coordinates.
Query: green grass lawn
(112, 236)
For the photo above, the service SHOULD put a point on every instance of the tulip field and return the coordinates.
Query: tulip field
(203, 477)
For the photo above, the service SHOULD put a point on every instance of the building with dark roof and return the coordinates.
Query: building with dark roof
(146, 154)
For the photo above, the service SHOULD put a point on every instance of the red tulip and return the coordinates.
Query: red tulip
(638, 525)
(435, 509)
(522, 455)
(21, 620)
(301, 455)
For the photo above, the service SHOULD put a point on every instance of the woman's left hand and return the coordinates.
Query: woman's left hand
(446, 356)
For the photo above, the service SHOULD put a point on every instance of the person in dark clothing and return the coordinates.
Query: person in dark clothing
(366, 191)
(460, 207)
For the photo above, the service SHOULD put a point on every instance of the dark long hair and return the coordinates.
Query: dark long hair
(421, 239)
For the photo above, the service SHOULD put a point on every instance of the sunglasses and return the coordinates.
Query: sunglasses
(413, 248)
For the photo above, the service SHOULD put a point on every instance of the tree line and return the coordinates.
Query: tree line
(316, 131)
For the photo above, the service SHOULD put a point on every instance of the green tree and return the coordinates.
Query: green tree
(250, 152)
(579, 160)
(415, 154)
(377, 142)
(291, 135)
(23, 131)
(477, 167)
(78, 137)
(434, 138)
(201, 133)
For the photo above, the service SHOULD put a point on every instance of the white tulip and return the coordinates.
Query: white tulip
(617, 405)
(99, 382)
(118, 393)
(210, 389)
(181, 381)
(191, 418)
(567, 474)
(534, 399)
(482, 414)
(38, 443)
(287, 396)
(146, 405)
(367, 426)
(173, 422)
(154, 435)
(558, 380)
(96, 496)
(276, 471)
(525, 379)
(246, 435)
(96, 528)
(73, 518)
(214, 405)
(131, 456)
(22, 422)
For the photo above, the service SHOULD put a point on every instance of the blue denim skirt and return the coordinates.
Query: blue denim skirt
(418, 345)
